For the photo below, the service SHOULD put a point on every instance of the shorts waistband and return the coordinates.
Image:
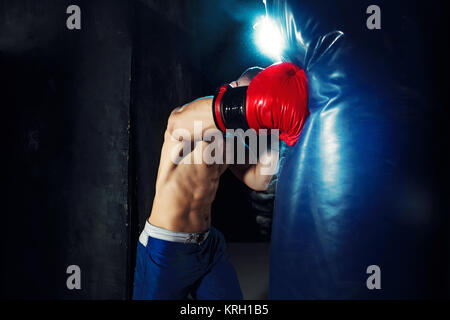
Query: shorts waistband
(172, 236)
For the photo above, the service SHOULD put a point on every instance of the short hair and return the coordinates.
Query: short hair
(251, 72)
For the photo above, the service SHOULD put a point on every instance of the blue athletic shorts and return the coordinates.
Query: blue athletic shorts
(188, 264)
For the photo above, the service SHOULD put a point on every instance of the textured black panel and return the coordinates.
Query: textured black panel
(65, 102)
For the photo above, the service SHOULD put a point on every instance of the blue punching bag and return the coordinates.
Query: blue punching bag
(352, 218)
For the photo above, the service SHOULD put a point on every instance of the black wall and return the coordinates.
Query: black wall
(65, 97)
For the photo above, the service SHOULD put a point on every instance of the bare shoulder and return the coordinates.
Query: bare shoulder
(197, 105)
(191, 115)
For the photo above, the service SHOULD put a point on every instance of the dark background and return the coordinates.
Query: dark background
(84, 113)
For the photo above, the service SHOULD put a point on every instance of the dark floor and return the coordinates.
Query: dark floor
(251, 261)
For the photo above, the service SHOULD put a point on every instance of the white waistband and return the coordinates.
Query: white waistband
(168, 235)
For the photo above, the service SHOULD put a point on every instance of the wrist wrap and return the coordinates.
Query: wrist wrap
(229, 108)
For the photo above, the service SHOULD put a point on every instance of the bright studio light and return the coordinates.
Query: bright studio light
(268, 38)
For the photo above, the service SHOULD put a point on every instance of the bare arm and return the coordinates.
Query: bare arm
(195, 118)
(257, 176)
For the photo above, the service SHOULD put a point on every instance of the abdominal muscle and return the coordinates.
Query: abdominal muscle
(184, 192)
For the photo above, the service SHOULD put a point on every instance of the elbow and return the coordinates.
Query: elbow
(256, 180)
(259, 187)
(262, 184)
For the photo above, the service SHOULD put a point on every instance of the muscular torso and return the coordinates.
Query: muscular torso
(185, 191)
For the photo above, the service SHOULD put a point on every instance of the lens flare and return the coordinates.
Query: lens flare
(268, 38)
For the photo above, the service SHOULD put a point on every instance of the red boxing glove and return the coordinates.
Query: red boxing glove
(276, 98)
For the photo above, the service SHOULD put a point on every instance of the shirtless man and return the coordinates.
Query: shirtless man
(179, 252)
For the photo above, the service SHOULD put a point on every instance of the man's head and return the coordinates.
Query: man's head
(246, 77)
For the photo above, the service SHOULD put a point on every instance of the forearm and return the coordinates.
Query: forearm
(258, 176)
